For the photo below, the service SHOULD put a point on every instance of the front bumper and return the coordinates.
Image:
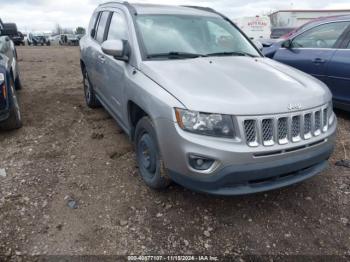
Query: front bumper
(239, 170)
(248, 179)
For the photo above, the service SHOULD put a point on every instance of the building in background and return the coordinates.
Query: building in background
(296, 18)
(256, 27)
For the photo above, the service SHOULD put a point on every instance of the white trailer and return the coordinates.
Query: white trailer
(296, 18)
(256, 27)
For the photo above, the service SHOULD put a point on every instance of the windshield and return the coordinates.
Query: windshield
(184, 34)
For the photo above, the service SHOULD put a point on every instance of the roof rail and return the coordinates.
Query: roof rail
(112, 2)
(208, 9)
(126, 3)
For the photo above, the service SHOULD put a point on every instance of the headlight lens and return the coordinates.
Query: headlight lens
(205, 124)
(2, 77)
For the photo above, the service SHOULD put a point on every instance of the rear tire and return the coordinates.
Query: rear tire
(90, 97)
(18, 83)
(151, 167)
(14, 120)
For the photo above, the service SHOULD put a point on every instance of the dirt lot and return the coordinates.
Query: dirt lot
(67, 152)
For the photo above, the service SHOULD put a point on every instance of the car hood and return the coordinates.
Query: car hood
(237, 85)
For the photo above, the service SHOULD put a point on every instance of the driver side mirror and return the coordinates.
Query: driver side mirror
(119, 49)
(287, 44)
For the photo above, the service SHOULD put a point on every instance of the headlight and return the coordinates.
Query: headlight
(205, 124)
(2, 77)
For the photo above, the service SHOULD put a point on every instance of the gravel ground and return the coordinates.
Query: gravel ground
(72, 187)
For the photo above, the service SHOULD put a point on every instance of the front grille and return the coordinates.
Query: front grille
(281, 130)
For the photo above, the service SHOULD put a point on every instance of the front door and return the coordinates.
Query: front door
(338, 72)
(115, 70)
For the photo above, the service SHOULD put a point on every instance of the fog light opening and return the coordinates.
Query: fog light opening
(200, 163)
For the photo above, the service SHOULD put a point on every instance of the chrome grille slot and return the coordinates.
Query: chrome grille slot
(325, 119)
(250, 132)
(307, 126)
(267, 132)
(296, 128)
(283, 130)
(317, 126)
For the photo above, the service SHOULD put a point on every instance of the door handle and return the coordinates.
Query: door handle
(102, 59)
(318, 61)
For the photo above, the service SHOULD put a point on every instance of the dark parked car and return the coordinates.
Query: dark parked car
(10, 116)
(18, 39)
(10, 29)
(322, 50)
(278, 32)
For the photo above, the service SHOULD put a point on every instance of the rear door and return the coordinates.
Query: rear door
(97, 58)
(86, 44)
(312, 50)
(338, 71)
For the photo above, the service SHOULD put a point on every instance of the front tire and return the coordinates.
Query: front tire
(148, 156)
(14, 120)
(90, 97)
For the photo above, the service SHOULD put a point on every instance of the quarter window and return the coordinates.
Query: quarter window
(117, 28)
(101, 27)
(323, 36)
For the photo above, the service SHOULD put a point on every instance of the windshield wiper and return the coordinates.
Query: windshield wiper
(231, 54)
(175, 55)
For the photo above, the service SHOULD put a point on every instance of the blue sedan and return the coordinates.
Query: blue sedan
(322, 50)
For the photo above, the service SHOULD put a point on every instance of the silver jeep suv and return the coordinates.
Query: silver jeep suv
(203, 107)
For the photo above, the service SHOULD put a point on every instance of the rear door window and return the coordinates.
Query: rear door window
(101, 29)
(323, 36)
(118, 29)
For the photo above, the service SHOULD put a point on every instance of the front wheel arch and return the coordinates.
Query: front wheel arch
(148, 155)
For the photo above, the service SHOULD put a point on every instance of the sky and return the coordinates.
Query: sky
(43, 15)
